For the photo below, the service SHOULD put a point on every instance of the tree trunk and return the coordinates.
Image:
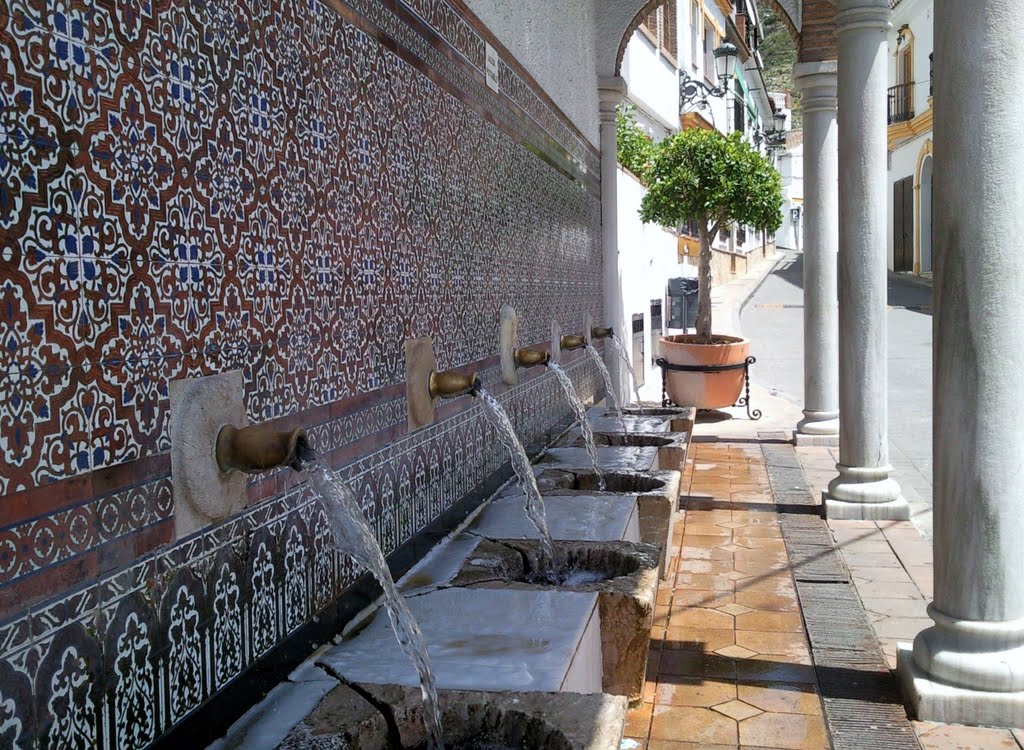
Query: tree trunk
(704, 293)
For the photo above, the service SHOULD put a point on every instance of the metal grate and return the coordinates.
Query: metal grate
(860, 696)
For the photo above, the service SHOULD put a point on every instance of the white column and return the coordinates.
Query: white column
(611, 91)
(817, 83)
(863, 488)
(969, 667)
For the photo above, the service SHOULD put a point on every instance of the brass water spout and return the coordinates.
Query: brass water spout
(526, 357)
(601, 332)
(452, 384)
(260, 448)
(570, 343)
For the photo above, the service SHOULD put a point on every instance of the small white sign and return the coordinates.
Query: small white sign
(492, 67)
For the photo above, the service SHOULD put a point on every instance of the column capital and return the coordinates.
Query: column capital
(611, 91)
(863, 15)
(818, 83)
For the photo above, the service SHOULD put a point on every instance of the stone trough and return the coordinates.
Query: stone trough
(671, 418)
(390, 717)
(624, 575)
(617, 458)
(484, 639)
(657, 493)
(672, 446)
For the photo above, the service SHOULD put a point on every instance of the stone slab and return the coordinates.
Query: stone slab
(265, 725)
(608, 458)
(484, 639)
(595, 518)
(826, 441)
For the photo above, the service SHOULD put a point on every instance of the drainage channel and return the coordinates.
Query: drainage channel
(860, 696)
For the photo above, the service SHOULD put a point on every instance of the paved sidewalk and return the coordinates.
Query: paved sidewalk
(730, 663)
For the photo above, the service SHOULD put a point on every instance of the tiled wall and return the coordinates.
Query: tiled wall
(290, 188)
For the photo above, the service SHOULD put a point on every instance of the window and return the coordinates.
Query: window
(660, 27)
(709, 64)
(670, 31)
(656, 330)
(739, 108)
(691, 228)
(709, 52)
(649, 25)
(695, 16)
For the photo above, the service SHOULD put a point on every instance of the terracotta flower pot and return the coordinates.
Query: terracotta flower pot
(705, 390)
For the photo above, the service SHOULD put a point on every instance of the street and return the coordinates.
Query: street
(773, 320)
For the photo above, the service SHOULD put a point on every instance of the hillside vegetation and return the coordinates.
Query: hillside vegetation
(779, 54)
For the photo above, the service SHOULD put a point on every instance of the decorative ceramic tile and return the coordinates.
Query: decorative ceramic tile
(198, 187)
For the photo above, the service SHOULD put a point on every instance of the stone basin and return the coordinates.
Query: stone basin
(390, 717)
(657, 495)
(618, 458)
(672, 446)
(624, 575)
(677, 418)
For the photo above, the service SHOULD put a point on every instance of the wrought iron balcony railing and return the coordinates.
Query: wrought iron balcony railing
(901, 103)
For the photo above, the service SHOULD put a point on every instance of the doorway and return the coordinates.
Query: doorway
(903, 224)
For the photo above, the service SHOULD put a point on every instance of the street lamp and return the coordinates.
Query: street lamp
(774, 140)
(694, 93)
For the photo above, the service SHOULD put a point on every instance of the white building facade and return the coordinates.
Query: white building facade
(676, 39)
(910, 137)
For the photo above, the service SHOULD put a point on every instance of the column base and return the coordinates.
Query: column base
(865, 494)
(929, 700)
(818, 428)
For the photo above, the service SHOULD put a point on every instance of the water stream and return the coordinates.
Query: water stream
(632, 376)
(609, 390)
(581, 416)
(352, 536)
(524, 473)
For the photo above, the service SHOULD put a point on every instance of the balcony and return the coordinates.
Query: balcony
(901, 103)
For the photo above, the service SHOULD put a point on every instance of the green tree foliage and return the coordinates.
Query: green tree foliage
(716, 181)
(636, 148)
(779, 53)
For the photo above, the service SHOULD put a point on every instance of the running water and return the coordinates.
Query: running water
(524, 473)
(609, 391)
(352, 536)
(628, 368)
(581, 416)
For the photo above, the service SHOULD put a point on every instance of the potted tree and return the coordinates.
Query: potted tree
(715, 181)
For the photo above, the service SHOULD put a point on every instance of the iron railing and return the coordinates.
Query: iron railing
(901, 103)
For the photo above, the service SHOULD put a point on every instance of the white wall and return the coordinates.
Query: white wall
(652, 84)
(791, 168)
(555, 42)
(648, 258)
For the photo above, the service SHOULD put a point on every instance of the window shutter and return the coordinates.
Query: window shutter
(670, 30)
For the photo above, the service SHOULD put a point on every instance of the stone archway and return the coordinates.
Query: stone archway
(924, 213)
(616, 20)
